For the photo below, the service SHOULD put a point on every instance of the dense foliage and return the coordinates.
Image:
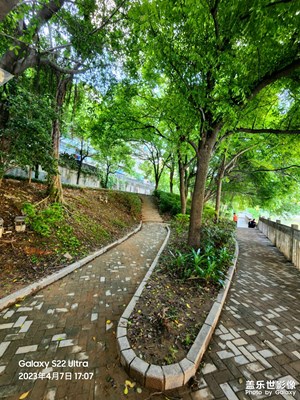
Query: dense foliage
(209, 263)
(168, 203)
(205, 94)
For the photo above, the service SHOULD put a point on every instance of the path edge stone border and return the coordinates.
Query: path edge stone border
(175, 375)
(48, 280)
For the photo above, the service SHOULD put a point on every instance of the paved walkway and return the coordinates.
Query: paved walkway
(256, 342)
(60, 343)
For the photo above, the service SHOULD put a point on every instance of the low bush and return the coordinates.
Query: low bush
(210, 262)
(45, 220)
(51, 221)
(168, 203)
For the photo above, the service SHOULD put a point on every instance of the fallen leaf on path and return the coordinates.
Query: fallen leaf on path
(130, 384)
(24, 395)
(109, 324)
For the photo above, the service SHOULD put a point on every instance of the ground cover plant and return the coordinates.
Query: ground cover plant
(57, 234)
(180, 292)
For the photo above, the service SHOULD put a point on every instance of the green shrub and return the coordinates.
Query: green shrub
(51, 221)
(203, 264)
(218, 235)
(168, 203)
(180, 223)
(208, 212)
(43, 221)
(68, 242)
(211, 260)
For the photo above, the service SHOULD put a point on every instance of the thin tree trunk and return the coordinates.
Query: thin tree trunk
(79, 170)
(203, 158)
(5, 142)
(182, 188)
(219, 189)
(171, 178)
(29, 175)
(36, 171)
(106, 176)
(55, 187)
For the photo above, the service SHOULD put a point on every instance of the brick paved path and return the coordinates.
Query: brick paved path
(74, 320)
(257, 338)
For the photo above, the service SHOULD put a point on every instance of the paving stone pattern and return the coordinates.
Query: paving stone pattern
(74, 320)
(257, 338)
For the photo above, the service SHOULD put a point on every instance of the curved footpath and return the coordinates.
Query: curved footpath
(255, 345)
(60, 343)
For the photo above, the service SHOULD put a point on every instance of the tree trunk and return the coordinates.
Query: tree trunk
(36, 171)
(156, 183)
(79, 170)
(106, 176)
(55, 190)
(55, 187)
(29, 175)
(219, 189)
(171, 178)
(5, 142)
(182, 188)
(203, 158)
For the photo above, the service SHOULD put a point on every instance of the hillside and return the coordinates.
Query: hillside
(56, 236)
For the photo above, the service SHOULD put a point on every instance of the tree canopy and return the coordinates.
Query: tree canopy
(206, 90)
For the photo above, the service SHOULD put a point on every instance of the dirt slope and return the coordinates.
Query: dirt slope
(91, 219)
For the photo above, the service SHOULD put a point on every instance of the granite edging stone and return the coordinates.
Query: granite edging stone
(175, 375)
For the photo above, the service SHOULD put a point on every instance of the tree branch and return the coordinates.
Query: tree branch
(194, 146)
(274, 76)
(63, 70)
(108, 19)
(269, 170)
(265, 130)
(241, 152)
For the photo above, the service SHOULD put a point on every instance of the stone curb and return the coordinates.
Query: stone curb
(178, 374)
(34, 287)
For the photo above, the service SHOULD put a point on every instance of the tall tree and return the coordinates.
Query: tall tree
(219, 55)
(25, 139)
(48, 34)
(267, 176)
